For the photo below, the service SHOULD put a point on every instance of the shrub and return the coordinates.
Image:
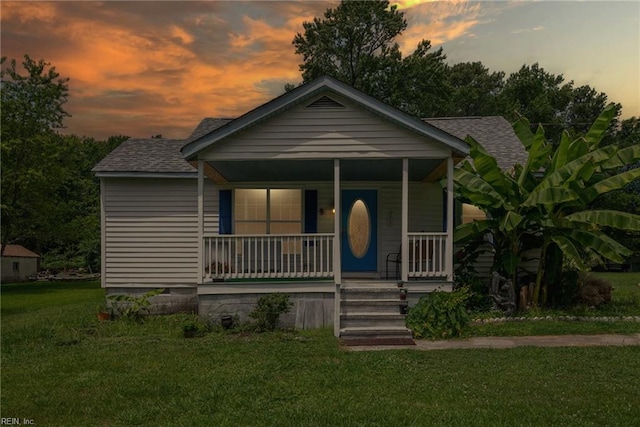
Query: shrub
(194, 328)
(133, 308)
(268, 311)
(440, 314)
(593, 291)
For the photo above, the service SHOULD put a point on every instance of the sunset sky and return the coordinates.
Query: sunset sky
(146, 68)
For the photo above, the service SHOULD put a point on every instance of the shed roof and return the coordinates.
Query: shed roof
(19, 251)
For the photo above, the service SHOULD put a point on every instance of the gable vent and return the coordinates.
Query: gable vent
(324, 103)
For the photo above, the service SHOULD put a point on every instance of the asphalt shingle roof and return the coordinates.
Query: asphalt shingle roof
(155, 155)
(164, 156)
(494, 133)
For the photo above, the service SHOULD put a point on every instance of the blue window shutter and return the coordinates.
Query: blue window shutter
(444, 211)
(310, 211)
(225, 218)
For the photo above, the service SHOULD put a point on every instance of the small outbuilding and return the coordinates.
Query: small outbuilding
(18, 263)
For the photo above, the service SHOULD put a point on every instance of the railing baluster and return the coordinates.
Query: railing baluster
(258, 256)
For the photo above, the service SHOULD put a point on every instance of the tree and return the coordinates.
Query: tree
(32, 109)
(585, 106)
(474, 91)
(545, 203)
(354, 43)
(628, 132)
(539, 96)
(420, 87)
(350, 42)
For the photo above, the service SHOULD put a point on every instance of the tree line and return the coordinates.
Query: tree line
(355, 42)
(50, 199)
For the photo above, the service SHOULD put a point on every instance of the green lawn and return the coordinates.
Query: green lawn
(60, 366)
(625, 302)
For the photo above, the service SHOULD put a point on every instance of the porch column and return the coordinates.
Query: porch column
(405, 221)
(337, 267)
(450, 220)
(200, 275)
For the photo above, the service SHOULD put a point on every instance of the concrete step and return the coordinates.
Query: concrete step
(370, 293)
(350, 306)
(369, 284)
(372, 320)
(368, 333)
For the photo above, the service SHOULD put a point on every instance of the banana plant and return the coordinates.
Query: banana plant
(546, 199)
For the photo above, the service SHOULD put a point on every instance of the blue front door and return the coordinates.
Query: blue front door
(359, 230)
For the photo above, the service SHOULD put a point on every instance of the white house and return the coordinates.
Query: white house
(324, 193)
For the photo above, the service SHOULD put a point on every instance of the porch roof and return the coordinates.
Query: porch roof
(322, 170)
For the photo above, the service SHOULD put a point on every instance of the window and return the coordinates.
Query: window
(268, 211)
(472, 213)
(16, 267)
(250, 211)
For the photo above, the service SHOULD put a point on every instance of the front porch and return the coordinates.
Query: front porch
(340, 247)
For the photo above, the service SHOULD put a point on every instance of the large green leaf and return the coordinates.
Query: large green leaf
(550, 195)
(510, 221)
(538, 155)
(575, 168)
(561, 155)
(623, 157)
(472, 229)
(522, 128)
(607, 218)
(487, 167)
(602, 244)
(615, 182)
(599, 128)
(570, 251)
(477, 190)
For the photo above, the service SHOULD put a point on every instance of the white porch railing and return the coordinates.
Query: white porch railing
(268, 256)
(427, 254)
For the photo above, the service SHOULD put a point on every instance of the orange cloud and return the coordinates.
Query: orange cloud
(181, 34)
(28, 11)
(130, 75)
(438, 21)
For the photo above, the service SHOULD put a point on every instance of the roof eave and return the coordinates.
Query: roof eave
(133, 174)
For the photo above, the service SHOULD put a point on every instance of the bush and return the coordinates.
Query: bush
(268, 311)
(440, 314)
(194, 328)
(593, 291)
(130, 307)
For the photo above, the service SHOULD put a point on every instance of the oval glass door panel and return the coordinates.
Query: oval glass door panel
(359, 228)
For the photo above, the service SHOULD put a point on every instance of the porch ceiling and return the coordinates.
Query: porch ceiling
(322, 170)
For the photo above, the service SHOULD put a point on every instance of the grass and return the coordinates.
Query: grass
(60, 366)
(625, 302)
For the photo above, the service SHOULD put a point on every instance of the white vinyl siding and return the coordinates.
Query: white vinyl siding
(309, 133)
(151, 235)
(151, 230)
